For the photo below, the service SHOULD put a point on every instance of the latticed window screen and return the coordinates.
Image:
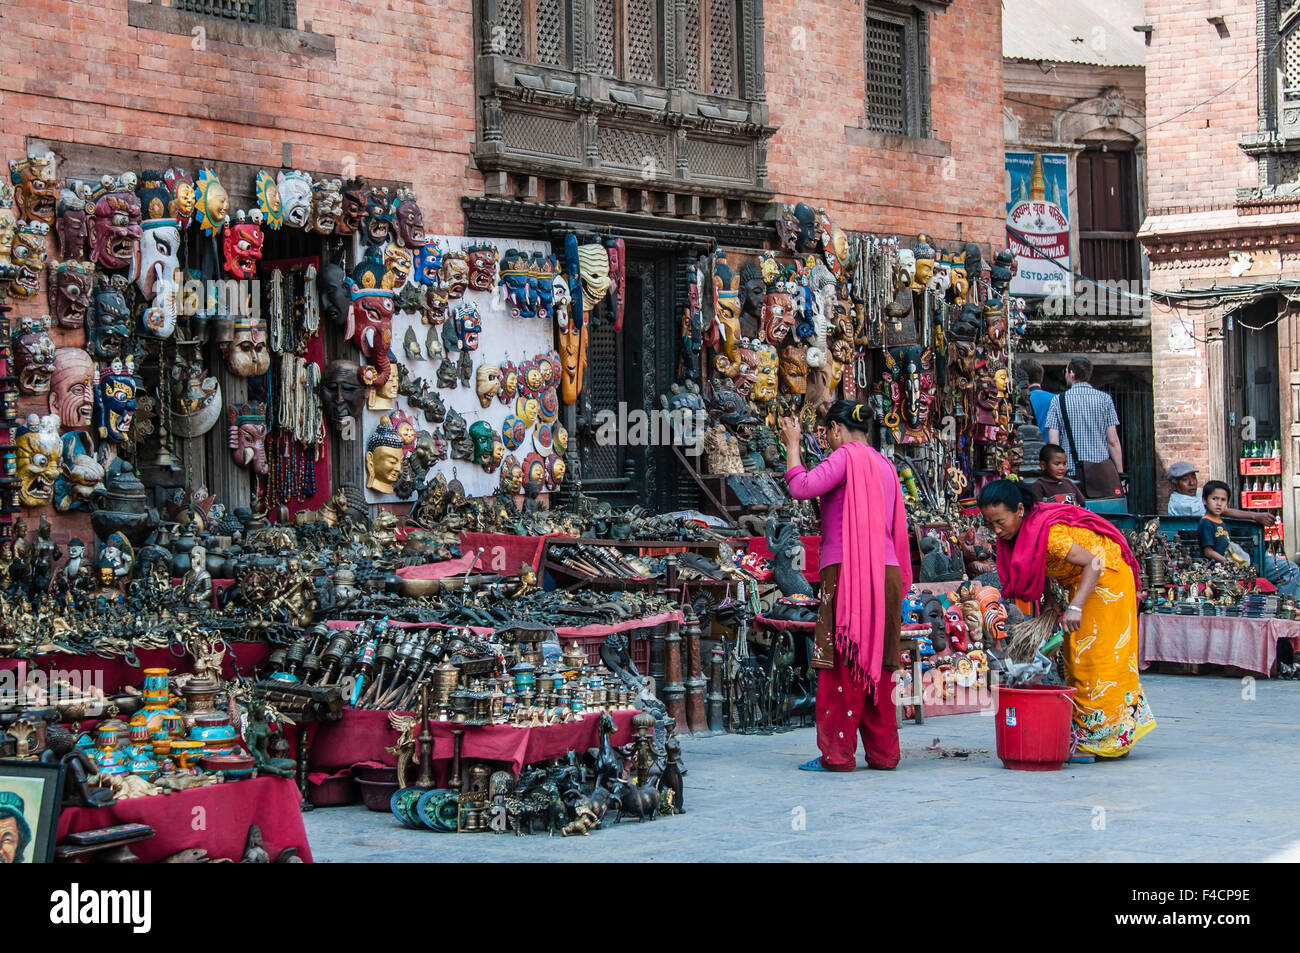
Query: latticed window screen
(607, 37)
(722, 47)
(603, 460)
(886, 77)
(508, 33)
(1289, 61)
(242, 11)
(549, 39)
(641, 32)
(533, 30)
(694, 40)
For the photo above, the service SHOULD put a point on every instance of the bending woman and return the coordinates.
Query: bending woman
(866, 568)
(1091, 559)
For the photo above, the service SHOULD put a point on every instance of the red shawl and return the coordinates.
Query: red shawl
(860, 595)
(1022, 566)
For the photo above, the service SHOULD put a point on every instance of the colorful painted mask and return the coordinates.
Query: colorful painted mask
(383, 396)
(787, 229)
(454, 274)
(549, 406)
(512, 474)
(725, 335)
(115, 391)
(370, 321)
(33, 351)
(555, 470)
(469, 325)
(247, 354)
(342, 392)
(398, 262)
(184, 200)
(765, 374)
(482, 267)
(35, 187)
(211, 203)
(514, 431)
(353, 197)
(428, 259)
(794, 369)
(248, 436)
(38, 452)
(28, 258)
(753, 289)
(9, 223)
(70, 284)
(155, 275)
(106, 324)
(73, 222)
(269, 201)
(535, 469)
(241, 244)
(408, 220)
(482, 434)
(956, 629)
(526, 408)
(72, 387)
(326, 207)
(778, 312)
(295, 196)
(488, 383)
(383, 458)
(377, 226)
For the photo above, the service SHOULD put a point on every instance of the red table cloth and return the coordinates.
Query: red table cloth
(221, 813)
(364, 735)
(1249, 644)
(440, 570)
(114, 673)
(503, 553)
(811, 548)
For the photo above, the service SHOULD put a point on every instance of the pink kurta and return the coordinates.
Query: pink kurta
(826, 480)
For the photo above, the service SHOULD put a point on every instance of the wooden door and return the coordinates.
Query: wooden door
(1288, 347)
(1107, 215)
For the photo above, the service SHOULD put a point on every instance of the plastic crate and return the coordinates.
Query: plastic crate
(1261, 466)
(1274, 533)
(1261, 501)
(638, 647)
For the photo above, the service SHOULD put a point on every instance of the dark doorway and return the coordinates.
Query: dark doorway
(1254, 399)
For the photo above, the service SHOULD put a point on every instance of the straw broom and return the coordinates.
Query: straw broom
(1027, 636)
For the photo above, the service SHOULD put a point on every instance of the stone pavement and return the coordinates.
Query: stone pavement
(1216, 780)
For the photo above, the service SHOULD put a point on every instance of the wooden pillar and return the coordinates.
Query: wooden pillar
(695, 681)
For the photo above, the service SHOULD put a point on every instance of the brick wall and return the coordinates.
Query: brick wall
(1192, 151)
(816, 87)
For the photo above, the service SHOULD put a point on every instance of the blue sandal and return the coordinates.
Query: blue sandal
(814, 765)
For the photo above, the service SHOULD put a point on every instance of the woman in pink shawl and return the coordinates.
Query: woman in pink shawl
(866, 568)
(1088, 556)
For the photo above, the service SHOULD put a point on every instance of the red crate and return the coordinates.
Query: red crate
(1260, 466)
(1274, 533)
(638, 647)
(1261, 501)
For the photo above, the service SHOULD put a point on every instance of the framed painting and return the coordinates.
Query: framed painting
(30, 795)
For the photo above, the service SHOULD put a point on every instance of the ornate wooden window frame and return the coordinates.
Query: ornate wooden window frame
(914, 19)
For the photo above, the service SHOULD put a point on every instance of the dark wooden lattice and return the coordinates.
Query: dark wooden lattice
(603, 460)
(606, 38)
(549, 40)
(642, 34)
(886, 97)
(722, 47)
(1290, 59)
(507, 36)
(242, 11)
(694, 39)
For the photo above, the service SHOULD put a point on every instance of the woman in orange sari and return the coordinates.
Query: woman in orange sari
(1091, 559)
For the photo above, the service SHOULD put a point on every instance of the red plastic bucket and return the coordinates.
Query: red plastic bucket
(1033, 727)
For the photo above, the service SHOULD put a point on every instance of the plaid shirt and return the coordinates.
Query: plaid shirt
(1091, 413)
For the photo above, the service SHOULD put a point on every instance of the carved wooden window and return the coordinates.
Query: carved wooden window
(628, 39)
(712, 46)
(897, 70)
(279, 13)
(1287, 60)
(532, 30)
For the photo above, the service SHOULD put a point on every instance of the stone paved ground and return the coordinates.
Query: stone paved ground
(1217, 780)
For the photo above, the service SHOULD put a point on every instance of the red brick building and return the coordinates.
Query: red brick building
(673, 123)
(1224, 214)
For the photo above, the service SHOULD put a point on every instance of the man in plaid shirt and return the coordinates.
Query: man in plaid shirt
(1092, 418)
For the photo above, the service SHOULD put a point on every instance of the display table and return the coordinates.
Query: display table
(363, 736)
(1247, 644)
(115, 673)
(504, 553)
(227, 810)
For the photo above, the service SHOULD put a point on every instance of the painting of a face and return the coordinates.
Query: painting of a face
(71, 387)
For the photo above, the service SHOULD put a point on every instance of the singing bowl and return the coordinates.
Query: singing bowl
(420, 588)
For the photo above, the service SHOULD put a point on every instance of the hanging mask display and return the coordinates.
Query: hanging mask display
(248, 436)
(778, 308)
(753, 289)
(342, 392)
(454, 274)
(485, 441)
(548, 406)
(617, 252)
(70, 285)
(36, 187)
(247, 354)
(509, 382)
(156, 275)
(482, 260)
(559, 438)
(428, 259)
(33, 351)
(383, 458)
(326, 206)
(184, 196)
(408, 220)
(383, 396)
(38, 452)
(27, 255)
(73, 222)
(995, 321)
(765, 374)
(519, 283)
(72, 385)
(527, 408)
(398, 262)
(269, 201)
(909, 391)
(377, 226)
(370, 321)
(294, 190)
(404, 424)
(115, 392)
(353, 197)
(211, 203)
(512, 474)
(535, 469)
(469, 325)
(725, 336)
(335, 300)
(488, 383)
(531, 381)
(806, 216)
(787, 229)
(241, 244)
(555, 470)
(106, 327)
